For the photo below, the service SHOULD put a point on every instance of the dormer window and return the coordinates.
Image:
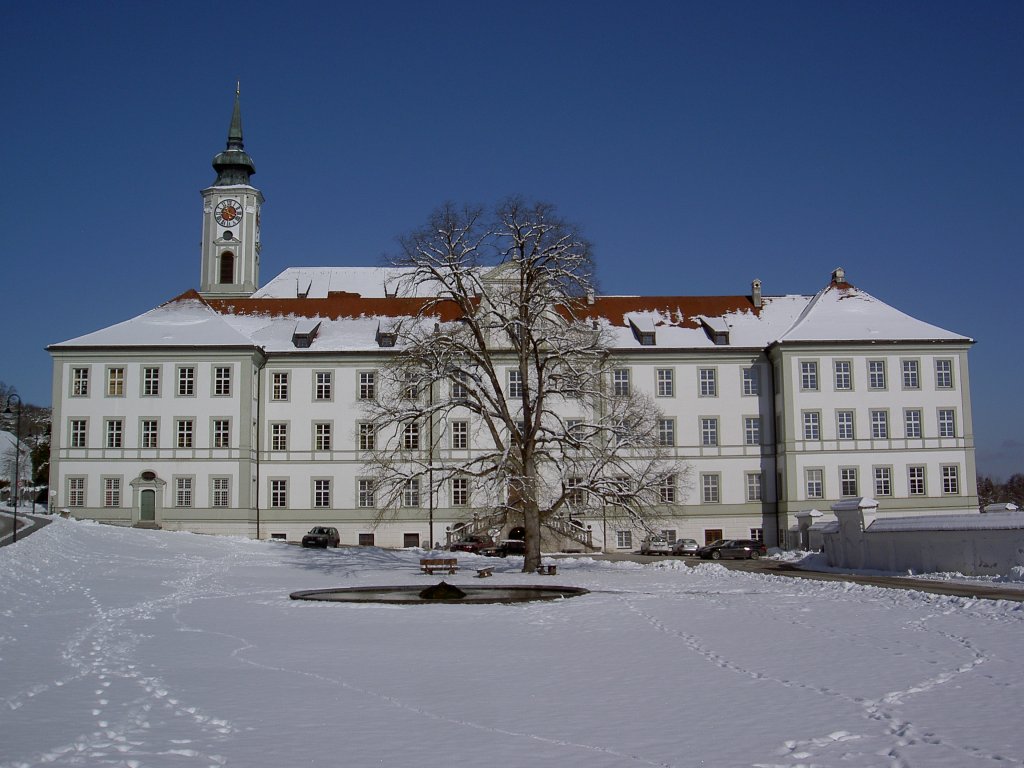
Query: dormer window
(717, 330)
(643, 330)
(387, 336)
(305, 332)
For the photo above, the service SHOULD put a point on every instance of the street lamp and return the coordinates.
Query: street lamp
(17, 457)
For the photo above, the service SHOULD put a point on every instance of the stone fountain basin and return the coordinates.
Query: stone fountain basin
(411, 595)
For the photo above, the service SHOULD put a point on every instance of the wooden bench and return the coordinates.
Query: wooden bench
(483, 573)
(547, 570)
(430, 564)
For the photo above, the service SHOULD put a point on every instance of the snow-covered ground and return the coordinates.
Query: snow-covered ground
(123, 647)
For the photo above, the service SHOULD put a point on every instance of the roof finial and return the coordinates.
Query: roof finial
(238, 87)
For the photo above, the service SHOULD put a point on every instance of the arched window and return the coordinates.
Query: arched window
(227, 268)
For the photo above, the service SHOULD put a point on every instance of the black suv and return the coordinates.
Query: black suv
(321, 536)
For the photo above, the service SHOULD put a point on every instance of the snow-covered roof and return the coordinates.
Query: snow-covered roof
(964, 522)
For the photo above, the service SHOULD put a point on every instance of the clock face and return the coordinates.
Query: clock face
(228, 213)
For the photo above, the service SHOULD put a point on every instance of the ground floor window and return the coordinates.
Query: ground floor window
(712, 534)
(367, 493)
(624, 539)
(183, 492)
(757, 534)
(76, 491)
(321, 493)
(951, 479)
(670, 535)
(112, 492)
(848, 481)
(915, 477)
(365, 539)
(221, 491)
(279, 493)
(410, 539)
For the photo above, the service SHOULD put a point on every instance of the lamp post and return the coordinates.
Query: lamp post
(17, 457)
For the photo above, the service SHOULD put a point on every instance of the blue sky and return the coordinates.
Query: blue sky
(699, 145)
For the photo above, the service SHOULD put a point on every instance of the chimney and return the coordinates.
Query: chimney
(590, 295)
(755, 293)
(839, 276)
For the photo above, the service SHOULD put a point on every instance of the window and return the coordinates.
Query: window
(515, 384)
(947, 422)
(183, 491)
(151, 382)
(667, 490)
(751, 381)
(186, 381)
(220, 491)
(279, 436)
(115, 433)
(460, 435)
(115, 382)
(79, 382)
(222, 381)
(848, 481)
(411, 437)
(322, 436)
(844, 425)
(323, 385)
(708, 379)
(879, 425)
(367, 436)
(322, 493)
(149, 433)
(411, 493)
(915, 479)
(78, 430)
(111, 491)
(221, 433)
(459, 389)
(76, 491)
(227, 268)
(753, 486)
(709, 431)
(574, 432)
(812, 425)
(411, 387)
(844, 379)
(460, 491)
(666, 432)
(279, 494)
(367, 492)
(184, 429)
(757, 534)
(279, 386)
(876, 374)
(709, 485)
(943, 374)
(883, 481)
(814, 483)
(809, 376)
(620, 382)
(912, 423)
(911, 376)
(665, 381)
(950, 479)
(574, 493)
(367, 385)
(752, 430)
(624, 539)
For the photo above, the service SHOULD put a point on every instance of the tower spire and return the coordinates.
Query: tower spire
(233, 165)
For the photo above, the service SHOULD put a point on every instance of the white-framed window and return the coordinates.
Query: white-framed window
(915, 480)
(459, 389)
(151, 381)
(76, 491)
(322, 436)
(411, 492)
(879, 425)
(666, 432)
(183, 491)
(221, 433)
(620, 382)
(843, 375)
(279, 386)
(186, 381)
(753, 486)
(667, 493)
(844, 425)
(185, 431)
(79, 433)
(222, 381)
(624, 539)
(411, 436)
(947, 422)
(709, 431)
(367, 493)
(911, 374)
(515, 384)
(809, 376)
(665, 382)
(79, 382)
(943, 374)
(848, 481)
(950, 480)
(279, 494)
(876, 374)
(323, 385)
(150, 433)
(912, 423)
(574, 492)
(115, 433)
(411, 386)
(367, 435)
(115, 382)
(367, 385)
(459, 434)
(710, 483)
(322, 493)
(574, 431)
(708, 382)
(279, 436)
(814, 483)
(752, 430)
(812, 425)
(751, 381)
(883, 481)
(460, 491)
(220, 491)
(111, 491)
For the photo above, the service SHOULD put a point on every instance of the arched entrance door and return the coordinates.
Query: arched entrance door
(147, 505)
(518, 533)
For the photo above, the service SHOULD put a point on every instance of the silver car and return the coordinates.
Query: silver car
(685, 547)
(655, 545)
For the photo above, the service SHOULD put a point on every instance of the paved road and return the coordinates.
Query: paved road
(26, 524)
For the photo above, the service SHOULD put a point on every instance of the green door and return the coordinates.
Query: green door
(147, 501)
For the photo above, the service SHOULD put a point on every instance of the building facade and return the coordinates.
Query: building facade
(236, 409)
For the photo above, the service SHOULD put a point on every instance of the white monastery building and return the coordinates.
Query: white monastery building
(235, 409)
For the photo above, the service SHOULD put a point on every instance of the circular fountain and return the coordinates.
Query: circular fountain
(442, 593)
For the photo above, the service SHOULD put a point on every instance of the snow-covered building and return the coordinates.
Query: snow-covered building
(236, 408)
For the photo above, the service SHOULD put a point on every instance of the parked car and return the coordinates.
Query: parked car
(735, 548)
(321, 536)
(506, 547)
(685, 547)
(655, 545)
(474, 543)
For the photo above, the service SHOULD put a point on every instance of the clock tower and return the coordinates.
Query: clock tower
(231, 221)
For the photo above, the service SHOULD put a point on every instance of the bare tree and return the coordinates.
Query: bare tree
(504, 343)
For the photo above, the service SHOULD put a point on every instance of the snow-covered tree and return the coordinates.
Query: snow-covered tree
(503, 346)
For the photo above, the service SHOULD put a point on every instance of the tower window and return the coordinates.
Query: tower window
(227, 268)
